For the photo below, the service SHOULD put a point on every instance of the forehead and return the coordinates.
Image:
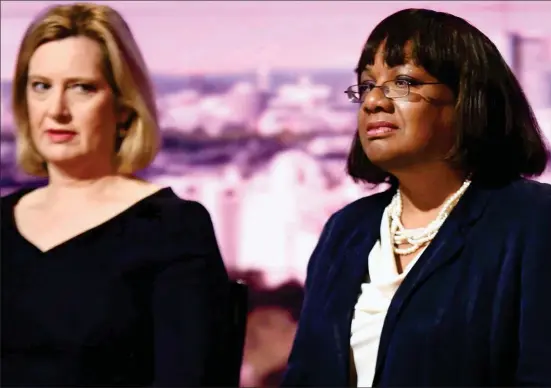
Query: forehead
(392, 60)
(380, 66)
(390, 56)
(69, 57)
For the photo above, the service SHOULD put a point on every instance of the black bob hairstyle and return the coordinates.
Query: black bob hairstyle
(498, 138)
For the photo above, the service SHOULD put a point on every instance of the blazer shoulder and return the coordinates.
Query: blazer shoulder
(357, 210)
(529, 195)
(346, 219)
(520, 205)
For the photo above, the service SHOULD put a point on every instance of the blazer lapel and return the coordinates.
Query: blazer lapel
(444, 248)
(346, 275)
(350, 267)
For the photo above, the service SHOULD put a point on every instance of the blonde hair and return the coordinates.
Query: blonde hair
(124, 69)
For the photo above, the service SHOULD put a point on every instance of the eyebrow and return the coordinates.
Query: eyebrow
(403, 67)
(368, 68)
(366, 71)
(70, 79)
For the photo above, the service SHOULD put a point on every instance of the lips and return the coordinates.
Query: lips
(380, 128)
(60, 135)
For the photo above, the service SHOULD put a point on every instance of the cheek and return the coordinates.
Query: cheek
(36, 111)
(362, 118)
(429, 127)
(448, 118)
(96, 116)
(411, 114)
(420, 119)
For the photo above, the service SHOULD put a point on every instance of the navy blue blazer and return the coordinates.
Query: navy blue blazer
(474, 310)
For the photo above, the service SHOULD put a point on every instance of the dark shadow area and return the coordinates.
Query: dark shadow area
(271, 326)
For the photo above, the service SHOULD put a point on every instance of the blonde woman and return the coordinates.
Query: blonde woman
(106, 279)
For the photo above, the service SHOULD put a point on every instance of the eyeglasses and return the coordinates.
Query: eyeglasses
(396, 88)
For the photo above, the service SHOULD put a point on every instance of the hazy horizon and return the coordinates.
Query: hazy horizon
(186, 38)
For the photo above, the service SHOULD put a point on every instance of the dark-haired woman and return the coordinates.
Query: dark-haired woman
(443, 279)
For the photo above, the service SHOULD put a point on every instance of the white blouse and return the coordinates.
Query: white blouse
(373, 302)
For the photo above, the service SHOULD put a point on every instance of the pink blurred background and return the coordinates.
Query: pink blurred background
(256, 125)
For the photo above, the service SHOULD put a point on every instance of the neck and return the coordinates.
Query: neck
(424, 190)
(67, 185)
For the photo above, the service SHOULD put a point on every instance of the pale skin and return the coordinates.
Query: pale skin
(68, 91)
(414, 153)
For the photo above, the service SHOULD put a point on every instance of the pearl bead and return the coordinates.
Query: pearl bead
(418, 237)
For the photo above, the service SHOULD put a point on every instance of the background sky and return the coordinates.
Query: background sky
(183, 37)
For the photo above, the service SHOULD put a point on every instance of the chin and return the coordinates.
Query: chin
(380, 153)
(390, 155)
(61, 158)
(390, 161)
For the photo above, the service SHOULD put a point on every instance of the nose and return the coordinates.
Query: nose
(58, 107)
(376, 100)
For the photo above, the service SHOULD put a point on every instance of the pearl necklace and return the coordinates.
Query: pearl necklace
(417, 238)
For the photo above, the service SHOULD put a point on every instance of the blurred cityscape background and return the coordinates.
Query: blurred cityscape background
(256, 125)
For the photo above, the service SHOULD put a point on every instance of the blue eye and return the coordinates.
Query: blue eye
(39, 86)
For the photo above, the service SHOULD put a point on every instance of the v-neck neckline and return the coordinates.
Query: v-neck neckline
(86, 233)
